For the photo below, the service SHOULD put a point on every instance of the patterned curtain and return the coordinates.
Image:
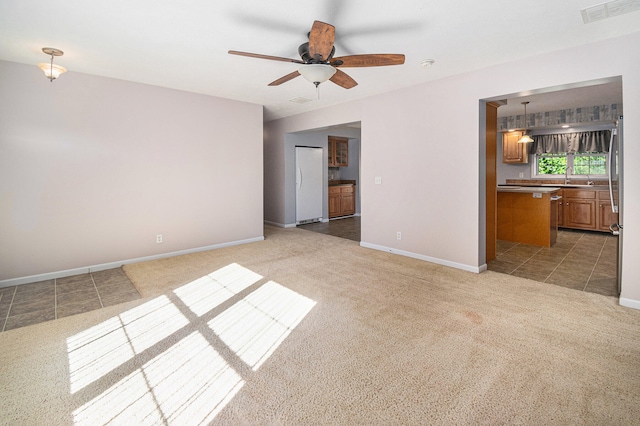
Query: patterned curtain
(595, 141)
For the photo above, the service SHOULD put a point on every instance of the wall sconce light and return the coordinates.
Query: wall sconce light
(52, 71)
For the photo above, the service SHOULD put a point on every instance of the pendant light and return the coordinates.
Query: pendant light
(526, 138)
(52, 71)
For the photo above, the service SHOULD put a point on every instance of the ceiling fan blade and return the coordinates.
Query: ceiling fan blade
(259, 56)
(343, 80)
(284, 79)
(321, 39)
(375, 60)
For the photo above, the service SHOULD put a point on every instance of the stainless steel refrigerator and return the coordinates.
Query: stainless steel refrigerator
(614, 172)
(308, 184)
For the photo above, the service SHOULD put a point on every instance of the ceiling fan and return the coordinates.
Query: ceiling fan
(318, 64)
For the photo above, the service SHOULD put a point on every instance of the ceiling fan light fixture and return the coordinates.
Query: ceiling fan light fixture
(317, 73)
(52, 71)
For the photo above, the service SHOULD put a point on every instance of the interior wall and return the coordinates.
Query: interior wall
(424, 143)
(92, 169)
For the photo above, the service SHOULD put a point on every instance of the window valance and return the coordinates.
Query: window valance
(593, 141)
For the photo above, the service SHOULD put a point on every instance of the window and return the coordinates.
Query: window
(587, 164)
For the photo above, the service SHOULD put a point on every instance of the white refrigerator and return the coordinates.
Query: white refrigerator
(308, 184)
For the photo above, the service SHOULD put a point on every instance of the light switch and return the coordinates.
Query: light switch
(378, 180)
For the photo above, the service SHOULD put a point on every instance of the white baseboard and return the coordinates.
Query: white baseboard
(435, 260)
(280, 225)
(110, 265)
(629, 303)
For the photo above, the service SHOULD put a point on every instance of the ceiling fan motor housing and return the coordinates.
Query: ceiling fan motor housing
(303, 51)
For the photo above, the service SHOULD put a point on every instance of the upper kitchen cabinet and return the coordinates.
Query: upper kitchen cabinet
(512, 151)
(338, 151)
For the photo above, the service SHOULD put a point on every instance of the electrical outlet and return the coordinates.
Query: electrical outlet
(521, 175)
(378, 180)
(399, 235)
(159, 238)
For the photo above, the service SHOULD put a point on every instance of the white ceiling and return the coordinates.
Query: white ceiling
(183, 44)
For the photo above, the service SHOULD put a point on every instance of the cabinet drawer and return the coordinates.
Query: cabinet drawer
(348, 189)
(334, 190)
(579, 193)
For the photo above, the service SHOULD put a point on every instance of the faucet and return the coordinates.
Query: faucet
(589, 181)
(566, 174)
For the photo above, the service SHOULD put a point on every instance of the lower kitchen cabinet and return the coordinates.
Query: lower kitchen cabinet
(580, 213)
(586, 209)
(606, 217)
(342, 200)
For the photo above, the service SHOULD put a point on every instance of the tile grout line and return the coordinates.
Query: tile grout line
(530, 257)
(507, 251)
(15, 290)
(565, 256)
(96, 287)
(595, 264)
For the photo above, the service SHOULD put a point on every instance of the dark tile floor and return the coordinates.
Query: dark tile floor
(33, 303)
(347, 227)
(580, 260)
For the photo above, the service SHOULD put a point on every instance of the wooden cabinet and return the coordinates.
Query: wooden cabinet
(588, 209)
(338, 151)
(525, 218)
(561, 209)
(342, 200)
(579, 209)
(512, 151)
(605, 216)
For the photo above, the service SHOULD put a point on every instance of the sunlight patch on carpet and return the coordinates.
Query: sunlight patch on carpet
(206, 293)
(188, 384)
(178, 339)
(255, 326)
(100, 349)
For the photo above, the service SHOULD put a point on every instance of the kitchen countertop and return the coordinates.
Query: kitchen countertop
(528, 189)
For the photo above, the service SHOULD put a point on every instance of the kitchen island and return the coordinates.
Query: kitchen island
(528, 214)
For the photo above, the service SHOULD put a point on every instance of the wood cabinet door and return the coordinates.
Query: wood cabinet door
(338, 151)
(347, 204)
(342, 153)
(512, 151)
(331, 151)
(605, 216)
(334, 205)
(580, 213)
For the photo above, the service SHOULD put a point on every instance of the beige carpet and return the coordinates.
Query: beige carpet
(305, 328)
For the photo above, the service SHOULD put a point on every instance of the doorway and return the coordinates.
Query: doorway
(585, 260)
(345, 173)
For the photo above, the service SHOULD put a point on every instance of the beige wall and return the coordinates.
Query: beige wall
(425, 142)
(91, 169)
